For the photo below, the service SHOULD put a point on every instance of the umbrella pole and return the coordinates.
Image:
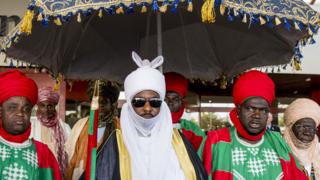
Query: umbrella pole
(159, 37)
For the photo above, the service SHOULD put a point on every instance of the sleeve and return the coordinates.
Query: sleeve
(192, 132)
(54, 165)
(48, 164)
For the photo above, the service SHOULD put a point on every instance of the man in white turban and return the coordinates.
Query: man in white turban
(146, 147)
(301, 119)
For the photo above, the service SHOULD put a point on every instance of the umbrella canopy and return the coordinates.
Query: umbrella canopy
(94, 40)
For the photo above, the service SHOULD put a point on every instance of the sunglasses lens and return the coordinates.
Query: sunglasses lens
(156, 103)
(138, 102)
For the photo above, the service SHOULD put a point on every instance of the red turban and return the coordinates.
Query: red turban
(15, 83)
(48, 94)
(177, 83)
(251, 84)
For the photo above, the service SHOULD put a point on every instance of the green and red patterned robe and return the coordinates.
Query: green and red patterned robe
(26, 161)
(192, 132)
(226, 156)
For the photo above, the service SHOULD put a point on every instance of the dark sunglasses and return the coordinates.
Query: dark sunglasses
(140, 102)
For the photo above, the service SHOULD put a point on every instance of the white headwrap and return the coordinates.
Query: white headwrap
(149, 141)
(306, 153)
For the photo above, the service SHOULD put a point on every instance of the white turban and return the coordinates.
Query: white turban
(146, 77)
(149, 141)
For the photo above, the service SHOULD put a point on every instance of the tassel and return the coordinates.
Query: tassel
(207, 12)
(79, 18)
(56, 86)
(222, 9)
(310, 31)
(40, 17)
(120, 10)
(100, 13)
(57, 21)
(143, 9)
(277, 21)
(296, 26)
(297, 65)
(244, 19)
(26, 26)
(235, 13)
(190, 6)
(17, 65)
(163, 8)
(262, 21)
(223, 82)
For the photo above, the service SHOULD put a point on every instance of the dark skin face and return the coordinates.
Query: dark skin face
(105, 106)
(305, 129)
(15, 115)
(253, 114)
(147, 111)
(47, 109)
(174, 101)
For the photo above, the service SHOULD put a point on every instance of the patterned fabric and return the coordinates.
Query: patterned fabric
(291, 9)
(258, 161)
(48, 94)
(225, 157)
(18, 163)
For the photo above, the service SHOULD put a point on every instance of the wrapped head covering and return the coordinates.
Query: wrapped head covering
(148, 136)
(48, 94)
(251, 84)
(15, 83)
(179, 84)
(306, 153)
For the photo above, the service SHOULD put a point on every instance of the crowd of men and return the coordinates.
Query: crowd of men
(152, 140)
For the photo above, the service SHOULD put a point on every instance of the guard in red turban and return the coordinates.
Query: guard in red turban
(251, 84)
(18, 94)
(176, 91)
(246, 150)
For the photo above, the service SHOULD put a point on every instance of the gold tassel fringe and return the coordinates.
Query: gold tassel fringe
(163, 8)
(310, 32)
(262, 20)
(100, 13)
(79, 18)
(26, 26)
(277, 21)
(244, 19)
(190, 7)
(143, 9)
(57, 85)
(120, 10)
(222, 9)
(40, 17)
(223, 82)
(207, 12)
(57, 21)
(296, 26)
(297, 65)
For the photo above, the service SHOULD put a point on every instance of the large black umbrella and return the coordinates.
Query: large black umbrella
(93, 39)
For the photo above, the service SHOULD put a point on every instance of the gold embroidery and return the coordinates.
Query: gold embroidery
(124, 158)
(182, 154)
